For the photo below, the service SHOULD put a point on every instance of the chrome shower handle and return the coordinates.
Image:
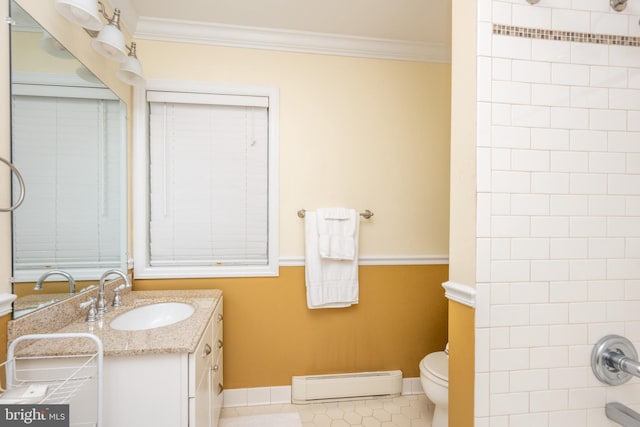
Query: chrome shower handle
(614, 360)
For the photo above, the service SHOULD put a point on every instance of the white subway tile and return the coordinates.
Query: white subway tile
(500, 292)
(634, 76)
(570, 20)
(589, 97)
(483, 215)
(588, 140)
(510, 182)
(625, 99)
(587, 398)
(484, 10)
(511, 47)
(632, 310)
(528, 380)
(508, 360)
(549, 139)
(529, 249)
(588, 183)
(632, 205)
(624, 184)
(607, 162)
(568, 291)
(482, 391)
(511, 92)
(568, 418)
(509, 271)
(555, 226)
(499, 337)
(581, 354)
(582, 269)
(551, 95)
(549, 401)
(623, 227)
(569, 161)
(568, 335)
(609, 77)
(529, 336)
(529, 420)
(616, 311)
(565, 378)
(500, 114)
(591, 5)
(501, 69)
(569, 204)
(634, 28)
(623, 269)
(531, 71)
(549, 270)
(510, 137)
(587, 312)
(630, 248)
(529, 293)
(530, 160)
(501, 159)
(529, 204)
(633, 120)
(608, 23)
(483, 259)
(607, 119)
(623, 56)
(500, 249)
(550, 182)
(509, 403)
(606, 205)
(530, 116)
(633, 163)
(569, 248)
(501, 204)
(484, 83)
(550, 50)
(632, 331)
(569, 118)
(570, 74)
(483, 168)
(549, 357)
(588, 226)
(485, 35)
(625, 142)
(606, 247)
(589, 54)
(482, 340)
(524, 15)
(549, 314)
(483, 124)
(499, 382)
(501, 13)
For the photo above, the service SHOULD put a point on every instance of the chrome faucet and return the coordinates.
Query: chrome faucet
(102, 305)
(72, 282)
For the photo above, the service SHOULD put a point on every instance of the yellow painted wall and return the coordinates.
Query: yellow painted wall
(270, 335)
(363, 133)
(461, 364)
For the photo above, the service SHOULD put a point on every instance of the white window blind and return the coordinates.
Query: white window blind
(68, 151)
(208, 180)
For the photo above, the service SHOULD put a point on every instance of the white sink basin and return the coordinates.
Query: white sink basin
(152, 316)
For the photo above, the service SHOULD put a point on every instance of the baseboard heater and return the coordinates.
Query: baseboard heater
(360, 385)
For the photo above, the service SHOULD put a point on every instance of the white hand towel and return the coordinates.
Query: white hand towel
(336, 233)
(330, 283)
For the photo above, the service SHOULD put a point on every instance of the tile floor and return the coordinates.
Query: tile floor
(403, 411)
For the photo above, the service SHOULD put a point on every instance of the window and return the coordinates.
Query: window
(209, 182)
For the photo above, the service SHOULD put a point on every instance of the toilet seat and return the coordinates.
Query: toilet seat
(436, 365)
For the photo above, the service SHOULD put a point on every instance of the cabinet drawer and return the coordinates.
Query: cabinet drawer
(200, 360)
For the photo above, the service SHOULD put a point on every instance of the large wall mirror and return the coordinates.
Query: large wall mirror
(68, 139)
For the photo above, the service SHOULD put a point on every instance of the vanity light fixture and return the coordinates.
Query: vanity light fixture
(108, 39)
(532, 1)
(618, 5)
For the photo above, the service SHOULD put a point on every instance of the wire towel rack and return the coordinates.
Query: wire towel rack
(367, 214)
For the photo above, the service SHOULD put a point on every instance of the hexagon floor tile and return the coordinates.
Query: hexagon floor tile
(402, 411)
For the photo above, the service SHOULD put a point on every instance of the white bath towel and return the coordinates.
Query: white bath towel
(336, 233)
(330, 283)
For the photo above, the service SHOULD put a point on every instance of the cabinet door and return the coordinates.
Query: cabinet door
(201, 408)
(200, 380)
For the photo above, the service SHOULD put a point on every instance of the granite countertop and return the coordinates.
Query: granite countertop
(180, 337)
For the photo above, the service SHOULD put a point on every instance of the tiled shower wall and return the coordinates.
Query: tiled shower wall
(558, 220)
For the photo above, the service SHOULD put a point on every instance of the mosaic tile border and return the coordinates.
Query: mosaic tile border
(569, 36)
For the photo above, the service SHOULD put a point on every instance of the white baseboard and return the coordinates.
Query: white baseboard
(278, 395)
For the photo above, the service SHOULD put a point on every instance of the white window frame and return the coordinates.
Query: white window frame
(142, 267)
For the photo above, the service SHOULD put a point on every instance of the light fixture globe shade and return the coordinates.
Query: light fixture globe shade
(53, 47)
(131, 72)
(110, 43)
(81, 12)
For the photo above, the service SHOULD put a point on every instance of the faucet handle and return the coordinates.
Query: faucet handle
(91, 314)
(117, 300)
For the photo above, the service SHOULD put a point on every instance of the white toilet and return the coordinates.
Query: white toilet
(434, 375)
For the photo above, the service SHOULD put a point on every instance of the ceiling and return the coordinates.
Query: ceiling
(418, 22)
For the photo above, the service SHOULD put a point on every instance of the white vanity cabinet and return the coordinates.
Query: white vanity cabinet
(167, 389)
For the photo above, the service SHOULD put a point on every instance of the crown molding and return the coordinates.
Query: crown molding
(464, 294)
(289, 40)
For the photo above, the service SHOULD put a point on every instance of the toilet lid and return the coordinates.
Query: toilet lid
(438, 364)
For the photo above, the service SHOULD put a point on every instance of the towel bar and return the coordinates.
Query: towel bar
(366, 214)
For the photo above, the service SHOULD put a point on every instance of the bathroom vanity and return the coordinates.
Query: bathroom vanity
(168, 376)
